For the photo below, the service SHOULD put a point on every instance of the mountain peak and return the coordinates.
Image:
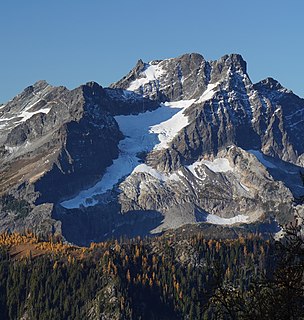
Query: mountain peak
(184, 77)
(192, 56)
(157, 146)
(92, 90)
(139, 63)
(235, 60)
(41, 84)
(37, 86)
(269, 84)
(93, 85)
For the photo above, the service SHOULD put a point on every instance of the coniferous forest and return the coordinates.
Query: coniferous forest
(173, 276)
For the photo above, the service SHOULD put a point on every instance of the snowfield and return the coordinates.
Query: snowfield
(209, 93)
(143, 168)
(151, 130)
(167, 130)
(143, 133)
(151, 73)
(212, 218)
(218, 165)
(22, 116)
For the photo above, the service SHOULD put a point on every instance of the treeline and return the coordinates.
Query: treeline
(155, 278)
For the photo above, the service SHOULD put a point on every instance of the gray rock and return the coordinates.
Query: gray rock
(55, 142)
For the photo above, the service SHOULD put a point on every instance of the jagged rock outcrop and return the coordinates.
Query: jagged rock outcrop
(261, 116)
(175, 141)
(53, 135)
(58, 141)
(185, 77)
(239, 186)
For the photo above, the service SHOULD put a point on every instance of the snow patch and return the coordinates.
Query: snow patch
(151, 73)
(12, 150)
(208, 93)
(279, 235)
(218, 165)
(197, 170)
(143, 168)
(140, 136)
(214, 219)
(143, 133)
(167, 130)
(244, 187)
(22, 116)
(27, 115)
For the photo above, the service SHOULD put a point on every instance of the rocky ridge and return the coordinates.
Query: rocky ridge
(176, 141)
(262, 116)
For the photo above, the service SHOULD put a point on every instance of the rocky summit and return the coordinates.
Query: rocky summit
(174, 142)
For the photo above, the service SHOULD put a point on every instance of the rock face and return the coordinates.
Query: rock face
(233, 188)
(175, 141)
(55, 142)
(262, 116)
(184, 78)
(56, 139)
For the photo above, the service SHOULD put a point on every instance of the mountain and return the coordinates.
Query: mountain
(174, 142)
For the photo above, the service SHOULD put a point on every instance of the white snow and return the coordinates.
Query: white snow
(143, 168)
(27, 115)
(195, 170)
(279, 235)
(137, 83)
(139, 136)
(167, 130)
(259, 155)
(143, 133)
(11, 149)
(244, 187)
(151, 73)
(277, 110)
(218, 165)
(15, 149)
(212, 218)
(24, 115)
(3, 124)
(209, 92)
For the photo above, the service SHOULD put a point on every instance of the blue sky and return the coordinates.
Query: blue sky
(70, 42)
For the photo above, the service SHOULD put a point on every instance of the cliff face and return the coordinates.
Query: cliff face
(175, 141)
(227, 109)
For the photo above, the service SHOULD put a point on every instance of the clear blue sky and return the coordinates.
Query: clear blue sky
(70, 42)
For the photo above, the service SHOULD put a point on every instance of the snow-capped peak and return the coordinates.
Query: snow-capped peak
(152, 72)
